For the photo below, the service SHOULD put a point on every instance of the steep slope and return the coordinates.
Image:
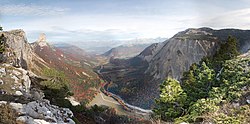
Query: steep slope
(83, 80)
(19, 91)
(125, 51)
(137, 79)
(78, 54)
(189, 47)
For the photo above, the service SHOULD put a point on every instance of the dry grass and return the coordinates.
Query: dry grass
(7, 115)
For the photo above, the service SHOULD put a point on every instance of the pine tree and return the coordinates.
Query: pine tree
(171, 101)
(2, 44)
(197, 81)
(227, 51)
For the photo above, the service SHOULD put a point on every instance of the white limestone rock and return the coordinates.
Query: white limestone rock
(42, 109)
(2, 72)
(1, 82)
(18, 93)
(42, 40)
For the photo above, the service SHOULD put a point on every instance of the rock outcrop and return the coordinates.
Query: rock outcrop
(43, 110)
(18, 83)
(42, 40)
(20, 53)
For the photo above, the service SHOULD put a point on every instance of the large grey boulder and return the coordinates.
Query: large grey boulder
(42, 109)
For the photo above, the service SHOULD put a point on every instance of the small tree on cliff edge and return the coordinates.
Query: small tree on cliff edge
(2, 41)
(227, 51)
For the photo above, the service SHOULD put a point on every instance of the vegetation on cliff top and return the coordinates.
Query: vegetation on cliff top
(56, 87)
(214, 90)
(2, 43)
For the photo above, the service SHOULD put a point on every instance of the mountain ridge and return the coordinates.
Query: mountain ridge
(125, 51)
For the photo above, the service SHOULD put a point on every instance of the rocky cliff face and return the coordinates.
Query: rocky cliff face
(177, 55)
(19, 52)
(168, 59)
(42, 40)
(189, 46)
(18, 83)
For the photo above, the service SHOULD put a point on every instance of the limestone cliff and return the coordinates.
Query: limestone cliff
(177, 55)
(20, 53)
(189, 46)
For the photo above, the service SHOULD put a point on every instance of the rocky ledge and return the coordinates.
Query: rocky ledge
(41, 111)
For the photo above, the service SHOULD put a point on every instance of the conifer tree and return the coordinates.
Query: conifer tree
(171, 101)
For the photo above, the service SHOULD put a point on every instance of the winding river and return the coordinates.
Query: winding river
(114, 101)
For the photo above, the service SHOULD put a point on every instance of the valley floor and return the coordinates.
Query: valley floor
(102, 99)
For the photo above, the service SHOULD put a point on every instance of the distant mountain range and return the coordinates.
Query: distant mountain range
(125, 51)
(100, 47)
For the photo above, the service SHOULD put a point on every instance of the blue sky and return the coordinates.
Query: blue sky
(102, 20)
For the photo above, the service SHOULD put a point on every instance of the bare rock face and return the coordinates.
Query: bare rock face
(15, 81)
(177, 55)
(42, 40)
(41, 111)
(19, 52)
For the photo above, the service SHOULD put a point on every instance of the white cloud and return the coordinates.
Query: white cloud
(231, 19)
(31, 10)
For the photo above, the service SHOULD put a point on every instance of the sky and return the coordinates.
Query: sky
(104, 20)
